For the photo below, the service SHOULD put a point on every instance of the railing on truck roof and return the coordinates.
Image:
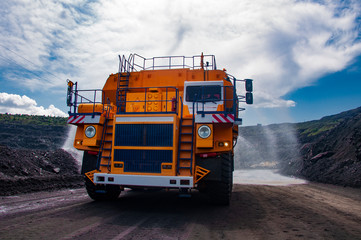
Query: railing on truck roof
(76, 97)
(136, 62)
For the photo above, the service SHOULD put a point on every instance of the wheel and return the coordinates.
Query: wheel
(89, 162)
(101, 192)
(220, 191)
(97, 192)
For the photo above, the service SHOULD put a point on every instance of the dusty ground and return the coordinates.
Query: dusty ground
(308, 211)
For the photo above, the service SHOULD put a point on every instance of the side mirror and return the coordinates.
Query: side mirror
(69, 94)
(249, 98)
(249, 85)
(69, 97)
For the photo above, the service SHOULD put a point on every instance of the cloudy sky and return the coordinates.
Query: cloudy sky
(304, 56)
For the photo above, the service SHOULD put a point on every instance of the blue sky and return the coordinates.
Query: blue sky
(331, 94)
(304, 56)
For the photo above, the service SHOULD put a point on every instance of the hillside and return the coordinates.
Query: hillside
(32, 132)
(32, 120)
(31, 158)
(326, 150)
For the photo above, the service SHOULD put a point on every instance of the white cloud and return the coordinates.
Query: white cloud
(16, 104)
(283, 45)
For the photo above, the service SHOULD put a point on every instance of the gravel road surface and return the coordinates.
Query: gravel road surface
(306, 211)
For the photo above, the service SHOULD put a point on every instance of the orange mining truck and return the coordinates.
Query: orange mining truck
(161, 122)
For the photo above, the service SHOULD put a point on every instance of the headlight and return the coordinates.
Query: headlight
(90, 131)
(204, 131)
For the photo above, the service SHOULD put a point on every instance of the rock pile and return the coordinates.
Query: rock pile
(31, 159)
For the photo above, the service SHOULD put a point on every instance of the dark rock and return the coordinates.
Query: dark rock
(31, 159)
(327, 150)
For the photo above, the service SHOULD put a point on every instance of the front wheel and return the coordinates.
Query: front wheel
(101, 192)
(220, 191)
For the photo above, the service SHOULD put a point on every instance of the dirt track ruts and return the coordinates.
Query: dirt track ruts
(310, 211)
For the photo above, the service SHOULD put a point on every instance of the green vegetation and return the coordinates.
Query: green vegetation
(32, 120)
(314, 128)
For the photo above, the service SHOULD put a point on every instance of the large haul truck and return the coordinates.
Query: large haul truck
(161, 122)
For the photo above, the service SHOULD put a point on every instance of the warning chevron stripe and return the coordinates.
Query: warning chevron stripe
(76, 120)
(80, 119)
(222, 118)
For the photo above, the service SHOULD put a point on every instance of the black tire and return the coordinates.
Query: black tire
(89, 162)
(220, 191)
(101, 192)
(97, 192)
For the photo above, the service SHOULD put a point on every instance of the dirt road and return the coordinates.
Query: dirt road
(307, 211)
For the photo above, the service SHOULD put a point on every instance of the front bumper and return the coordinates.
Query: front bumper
(144, 181)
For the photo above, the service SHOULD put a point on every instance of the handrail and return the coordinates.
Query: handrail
(137, 62)
(80, 99)
(101, 149)
(234, 99)
(179, 135)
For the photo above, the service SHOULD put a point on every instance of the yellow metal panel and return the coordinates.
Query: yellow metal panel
(200, 173)
(137, 118)
(94, 141)
(167, 97)
(135, 102)
(222, 133)
(204, 142)
(117, 170)
(89, 107)
(90, 175)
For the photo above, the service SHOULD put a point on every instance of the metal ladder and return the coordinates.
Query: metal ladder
(105, 151)
(185, 143)
(123, 82)
(122, 88)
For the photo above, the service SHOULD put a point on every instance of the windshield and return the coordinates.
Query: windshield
(206, 93)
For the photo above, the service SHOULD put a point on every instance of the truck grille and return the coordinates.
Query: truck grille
(151, 135)
(145, 161)
(147, 136)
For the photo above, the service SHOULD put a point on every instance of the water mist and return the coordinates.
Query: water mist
(262, 151)
(68, 145)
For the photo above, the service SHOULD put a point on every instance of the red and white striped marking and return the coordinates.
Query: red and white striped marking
(222, 118)
(83, 119)
(76, 120)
